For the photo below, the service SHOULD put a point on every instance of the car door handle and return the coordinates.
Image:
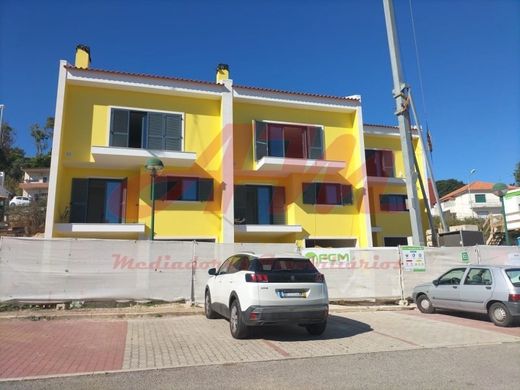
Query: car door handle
(488, 287)
(455, 286)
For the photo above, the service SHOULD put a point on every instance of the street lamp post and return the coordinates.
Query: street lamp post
(153, 165)
(469, 191)
(500, 189)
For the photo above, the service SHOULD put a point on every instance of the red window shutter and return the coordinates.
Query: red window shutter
(387, 158)
(278, 205)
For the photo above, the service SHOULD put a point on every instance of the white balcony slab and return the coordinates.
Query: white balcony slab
(285, 166)
(100, 228)
(268, 229)
(115, 157)
(386, 180)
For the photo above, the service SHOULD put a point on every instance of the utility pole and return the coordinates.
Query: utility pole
(403, 115)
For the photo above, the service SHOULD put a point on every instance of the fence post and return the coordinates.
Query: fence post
(402, 301)
(193, 267)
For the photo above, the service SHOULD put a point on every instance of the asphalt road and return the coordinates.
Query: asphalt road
(494, 366)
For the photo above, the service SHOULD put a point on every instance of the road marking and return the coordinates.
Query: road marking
(397, 338)
(281, 351)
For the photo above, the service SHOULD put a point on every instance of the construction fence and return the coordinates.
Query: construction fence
(63, 270)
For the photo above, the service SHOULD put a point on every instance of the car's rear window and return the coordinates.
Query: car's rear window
(286, 264)
(514, 276)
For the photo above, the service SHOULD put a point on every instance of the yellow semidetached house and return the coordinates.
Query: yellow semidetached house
(241, 164)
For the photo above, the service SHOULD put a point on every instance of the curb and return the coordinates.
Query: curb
(94, 316)
(42, 316)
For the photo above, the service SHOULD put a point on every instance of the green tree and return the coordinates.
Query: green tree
(12, 159)
(516, 174)
(446, 186)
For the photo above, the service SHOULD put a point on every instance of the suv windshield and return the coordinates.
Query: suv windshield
(514, 276)
(286, 264)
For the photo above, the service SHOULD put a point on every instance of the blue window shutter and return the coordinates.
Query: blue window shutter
(240, 203)
(155, 137)
(119, 128)
(315, 143)
(78, 201)
(309, 193)
(260, 139)
(346, 194)
(161, 187)
(173, 132)
(205, 190)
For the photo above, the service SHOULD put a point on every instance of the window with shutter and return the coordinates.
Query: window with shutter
(240, 199)
(326, 193)
(260, 137)
(387, 157)
(155, 139)
(173, 132)
(315, 143)
(309, 193)
(78, 201)
(392, 202)
(278, 205)
(205, 190)
(346, 194)
(120, 127)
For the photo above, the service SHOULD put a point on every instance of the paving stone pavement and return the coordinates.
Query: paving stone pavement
(82, 346)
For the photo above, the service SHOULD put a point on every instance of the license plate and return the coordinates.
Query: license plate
(291, 294)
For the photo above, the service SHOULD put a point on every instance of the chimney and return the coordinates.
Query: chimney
(222, 73)
(82, 56)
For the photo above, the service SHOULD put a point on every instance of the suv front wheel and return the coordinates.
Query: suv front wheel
(237, 327)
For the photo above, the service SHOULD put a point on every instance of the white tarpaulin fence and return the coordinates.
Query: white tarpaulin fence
(34, 270)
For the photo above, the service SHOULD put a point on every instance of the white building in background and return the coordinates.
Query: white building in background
(35, 183)
(474, 200)
(512, 208)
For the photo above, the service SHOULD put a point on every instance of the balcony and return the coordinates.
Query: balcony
(100, 229)
(119, 157)
(283, 148)
(266, 230)
(286, 166)
(386, 180)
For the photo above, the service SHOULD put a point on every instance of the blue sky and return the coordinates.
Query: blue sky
(469, 52)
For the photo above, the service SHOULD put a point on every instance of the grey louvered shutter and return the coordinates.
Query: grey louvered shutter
(78, 201)
(240, 200)
(173, 132)
(155, 129)
(309, 193)
(278, 205)
(346, 194)
(260, 139)
(315, 143)
(119, 128)
(205, 190)
(160, 188)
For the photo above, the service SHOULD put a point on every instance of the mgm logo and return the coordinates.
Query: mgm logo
(331, 257)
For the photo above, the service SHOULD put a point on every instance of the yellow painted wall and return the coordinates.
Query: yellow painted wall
(341, 144)
(393, 224)
(86, 123)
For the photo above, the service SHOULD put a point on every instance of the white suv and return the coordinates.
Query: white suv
(253, 290)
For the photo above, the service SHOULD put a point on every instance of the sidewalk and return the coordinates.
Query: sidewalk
(89, 345)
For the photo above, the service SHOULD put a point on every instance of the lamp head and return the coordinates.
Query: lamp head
(154, 165)
(500, 189)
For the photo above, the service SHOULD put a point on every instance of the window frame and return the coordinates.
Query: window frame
(480, 196)
(393, 211)
(167, 179)
(466, 279)
(452, 270)
(108, 137)
(381, 168)
(306, 146)
(340, 189)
